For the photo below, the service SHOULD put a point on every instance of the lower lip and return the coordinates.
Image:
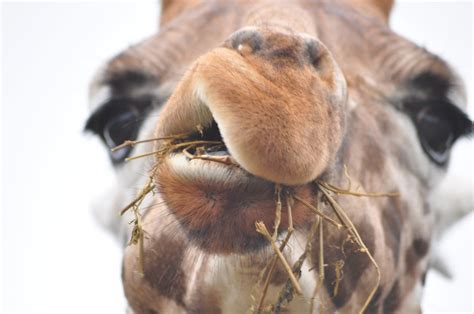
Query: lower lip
(218, 204)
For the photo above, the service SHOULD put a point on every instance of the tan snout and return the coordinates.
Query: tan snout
(281, 119)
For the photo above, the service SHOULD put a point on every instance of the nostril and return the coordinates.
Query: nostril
(246, 40)
(320, 58)
(314, 53)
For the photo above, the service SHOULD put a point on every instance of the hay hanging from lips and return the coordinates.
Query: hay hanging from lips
(168, 145)
(287, 293)
(179, 143)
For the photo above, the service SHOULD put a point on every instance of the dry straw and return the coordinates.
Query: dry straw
(328, 194)
(168, 145)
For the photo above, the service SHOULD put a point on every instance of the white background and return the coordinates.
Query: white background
(56, 259)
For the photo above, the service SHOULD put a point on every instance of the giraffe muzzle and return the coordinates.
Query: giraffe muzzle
(283, 122)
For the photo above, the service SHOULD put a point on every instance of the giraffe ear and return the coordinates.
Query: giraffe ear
(381, 8)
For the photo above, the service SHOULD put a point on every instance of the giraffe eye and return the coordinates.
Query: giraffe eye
(118, 129)
(439, 124)
(117, 121)
(436, 134)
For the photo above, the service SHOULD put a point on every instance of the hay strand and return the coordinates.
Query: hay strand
(355, 234)
(277, 211)
(318, 212)
(142, 194)
(339, 190)
(271, 265)
(172, 147)
(338, 266)
(286, 294)
(227, 160)
(129, 143)
(262, 229)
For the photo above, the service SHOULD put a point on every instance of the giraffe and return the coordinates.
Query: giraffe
(332, 132)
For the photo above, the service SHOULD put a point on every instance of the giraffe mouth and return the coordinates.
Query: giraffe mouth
(216, 201)
(202, 131)
(219, 180)
(207, 160)
(216, 204)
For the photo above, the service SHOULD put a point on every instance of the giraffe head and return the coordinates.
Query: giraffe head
(258, 94)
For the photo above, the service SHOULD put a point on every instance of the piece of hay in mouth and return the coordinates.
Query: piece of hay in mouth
(169, 145)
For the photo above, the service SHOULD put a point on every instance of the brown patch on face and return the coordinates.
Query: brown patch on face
(421, 247)
(338, 247)
(392, 222)
(162, 285)
(373, 159)
(392, 301)
(365, 148)
(411, 261)
(162, 268)
(417, 251)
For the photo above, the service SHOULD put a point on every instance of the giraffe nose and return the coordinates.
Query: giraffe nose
(278, 101)
(281, 48)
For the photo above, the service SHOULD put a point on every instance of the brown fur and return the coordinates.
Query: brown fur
(298, 89)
